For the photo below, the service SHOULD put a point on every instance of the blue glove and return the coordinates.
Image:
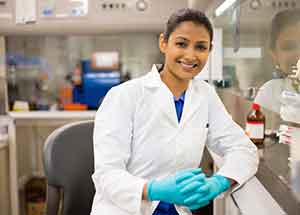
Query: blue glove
(168, 189)
(211, 188)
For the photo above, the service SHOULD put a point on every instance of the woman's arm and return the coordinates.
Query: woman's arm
(228, 140)
(112, 150)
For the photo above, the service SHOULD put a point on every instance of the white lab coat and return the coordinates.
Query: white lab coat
(269, 95)
(137, 137)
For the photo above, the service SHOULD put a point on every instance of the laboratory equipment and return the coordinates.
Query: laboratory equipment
(95, 84)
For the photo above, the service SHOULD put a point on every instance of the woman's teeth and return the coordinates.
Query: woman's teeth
(188, 66)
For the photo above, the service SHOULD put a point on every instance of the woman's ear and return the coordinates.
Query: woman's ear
(162, 43)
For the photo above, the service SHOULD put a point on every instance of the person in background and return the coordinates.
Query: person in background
(285, 52)
(150, 132)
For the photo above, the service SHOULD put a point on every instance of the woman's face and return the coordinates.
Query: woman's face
(186, 51)
(287, 48)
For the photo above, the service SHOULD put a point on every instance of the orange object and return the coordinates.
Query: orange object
(65, 94)
(75, 106)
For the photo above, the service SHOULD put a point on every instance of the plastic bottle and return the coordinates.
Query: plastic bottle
(43, 87)
(13, 90)
(255, 127)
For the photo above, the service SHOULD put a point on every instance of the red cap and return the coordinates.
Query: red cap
(255, 106)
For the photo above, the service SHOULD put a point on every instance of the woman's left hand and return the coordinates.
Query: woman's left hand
(206, 192)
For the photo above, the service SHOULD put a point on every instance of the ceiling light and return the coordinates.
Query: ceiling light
(224, 6)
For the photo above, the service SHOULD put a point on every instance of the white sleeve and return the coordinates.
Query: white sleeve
(112, 150)
(228, 140)
(262, 98)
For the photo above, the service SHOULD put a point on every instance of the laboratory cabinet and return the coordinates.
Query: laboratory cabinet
(85, 16)
(4, 176)
(5, 172)
(27, 134)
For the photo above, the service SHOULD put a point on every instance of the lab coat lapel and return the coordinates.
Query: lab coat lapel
(164, 97)
(192, 102)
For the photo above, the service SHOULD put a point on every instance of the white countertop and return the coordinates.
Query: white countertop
(253, 191)
(52, 115)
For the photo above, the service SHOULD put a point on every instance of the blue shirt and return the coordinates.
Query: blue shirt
(164, 208)
(179, 105)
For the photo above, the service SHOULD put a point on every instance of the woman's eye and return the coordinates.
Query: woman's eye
(201, 47)
(181, 44)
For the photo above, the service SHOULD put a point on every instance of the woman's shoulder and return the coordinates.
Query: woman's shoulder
(272, 84)
(129, 88)
(203, 86)
(131, 84)
(269, 93)
(272, 87)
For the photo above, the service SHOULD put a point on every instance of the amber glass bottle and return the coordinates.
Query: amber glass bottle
(255, 126)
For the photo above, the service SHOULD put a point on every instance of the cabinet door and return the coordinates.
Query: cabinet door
(4, 180)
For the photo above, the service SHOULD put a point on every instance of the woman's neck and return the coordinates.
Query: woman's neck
(175, 85)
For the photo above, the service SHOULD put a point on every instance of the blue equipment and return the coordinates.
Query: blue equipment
(95, 85)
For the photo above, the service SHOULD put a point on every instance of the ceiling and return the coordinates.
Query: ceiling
(255, 14)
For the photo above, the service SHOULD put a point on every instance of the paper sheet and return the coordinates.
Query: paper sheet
(25, 11)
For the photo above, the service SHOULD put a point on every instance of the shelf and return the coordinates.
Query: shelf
(52, 114)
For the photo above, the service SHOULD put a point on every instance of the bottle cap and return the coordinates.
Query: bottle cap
(255, 106)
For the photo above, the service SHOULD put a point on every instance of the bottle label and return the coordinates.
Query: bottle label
(255, 130)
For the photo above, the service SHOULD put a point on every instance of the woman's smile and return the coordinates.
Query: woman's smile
(187, 66)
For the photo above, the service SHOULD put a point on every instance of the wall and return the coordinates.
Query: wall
(250, 72)
(59, 54)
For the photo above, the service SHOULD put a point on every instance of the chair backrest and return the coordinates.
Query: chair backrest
(69, 165)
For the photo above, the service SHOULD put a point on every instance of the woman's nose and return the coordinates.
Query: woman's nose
(190, 54)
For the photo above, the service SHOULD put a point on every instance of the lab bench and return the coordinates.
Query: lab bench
(274, 174)
(251, 198)
(274, 171)
(27, 134)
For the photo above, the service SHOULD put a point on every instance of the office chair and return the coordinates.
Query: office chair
(69, 165)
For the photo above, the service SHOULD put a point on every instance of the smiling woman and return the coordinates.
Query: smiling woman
(150, 132)
(186, 51)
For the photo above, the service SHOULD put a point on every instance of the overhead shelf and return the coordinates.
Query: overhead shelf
(68, 17)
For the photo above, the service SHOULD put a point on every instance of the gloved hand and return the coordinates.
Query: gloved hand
(168, 189)
(201, 196)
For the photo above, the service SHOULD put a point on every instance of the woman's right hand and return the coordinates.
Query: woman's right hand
(168, 189)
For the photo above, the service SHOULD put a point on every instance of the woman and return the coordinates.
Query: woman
(285, 52)
(150, 132)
